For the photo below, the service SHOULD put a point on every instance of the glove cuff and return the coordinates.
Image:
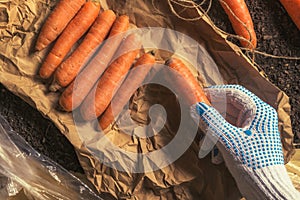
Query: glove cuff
(277, 181)
(270, 182)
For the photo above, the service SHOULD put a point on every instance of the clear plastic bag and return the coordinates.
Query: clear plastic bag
(21, 167)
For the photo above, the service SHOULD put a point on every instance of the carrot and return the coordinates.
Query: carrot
(293, 9)
(67, 71)
(186, 83)
(59, 18)
(74, 30)
(134, 79)
(98, 99)
(241, 21)
(75, 93)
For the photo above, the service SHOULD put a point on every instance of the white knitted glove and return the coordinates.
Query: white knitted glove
(250, 143)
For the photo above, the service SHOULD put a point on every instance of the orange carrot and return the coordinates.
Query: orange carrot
(64, 11)
(186, 82)
(75, 93)
(241, 21)
(99, 98)
(293, 9)
(134, 79)
(75, 29)
(68, 69)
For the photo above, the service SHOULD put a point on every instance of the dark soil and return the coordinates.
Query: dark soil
(38, 131)
(276, 35)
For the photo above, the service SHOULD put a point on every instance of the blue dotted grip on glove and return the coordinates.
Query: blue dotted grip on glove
(257, 145)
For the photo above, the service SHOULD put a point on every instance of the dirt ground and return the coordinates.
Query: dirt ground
(276, 33)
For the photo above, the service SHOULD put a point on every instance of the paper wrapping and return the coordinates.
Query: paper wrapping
(294, 169)
(186, 178)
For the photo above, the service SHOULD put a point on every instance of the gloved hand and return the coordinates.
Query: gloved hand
(249, 141)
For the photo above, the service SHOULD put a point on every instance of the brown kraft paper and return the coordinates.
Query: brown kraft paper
(186, 178)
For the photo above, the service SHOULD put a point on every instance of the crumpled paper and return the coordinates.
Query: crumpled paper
(186, 178)
(293, 168)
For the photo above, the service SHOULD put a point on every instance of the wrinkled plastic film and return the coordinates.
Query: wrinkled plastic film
(23, 167)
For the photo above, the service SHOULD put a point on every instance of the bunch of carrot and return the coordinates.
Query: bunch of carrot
(93, 78)
(90, 74)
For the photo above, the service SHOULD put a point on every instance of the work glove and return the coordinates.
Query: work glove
(249, 140)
